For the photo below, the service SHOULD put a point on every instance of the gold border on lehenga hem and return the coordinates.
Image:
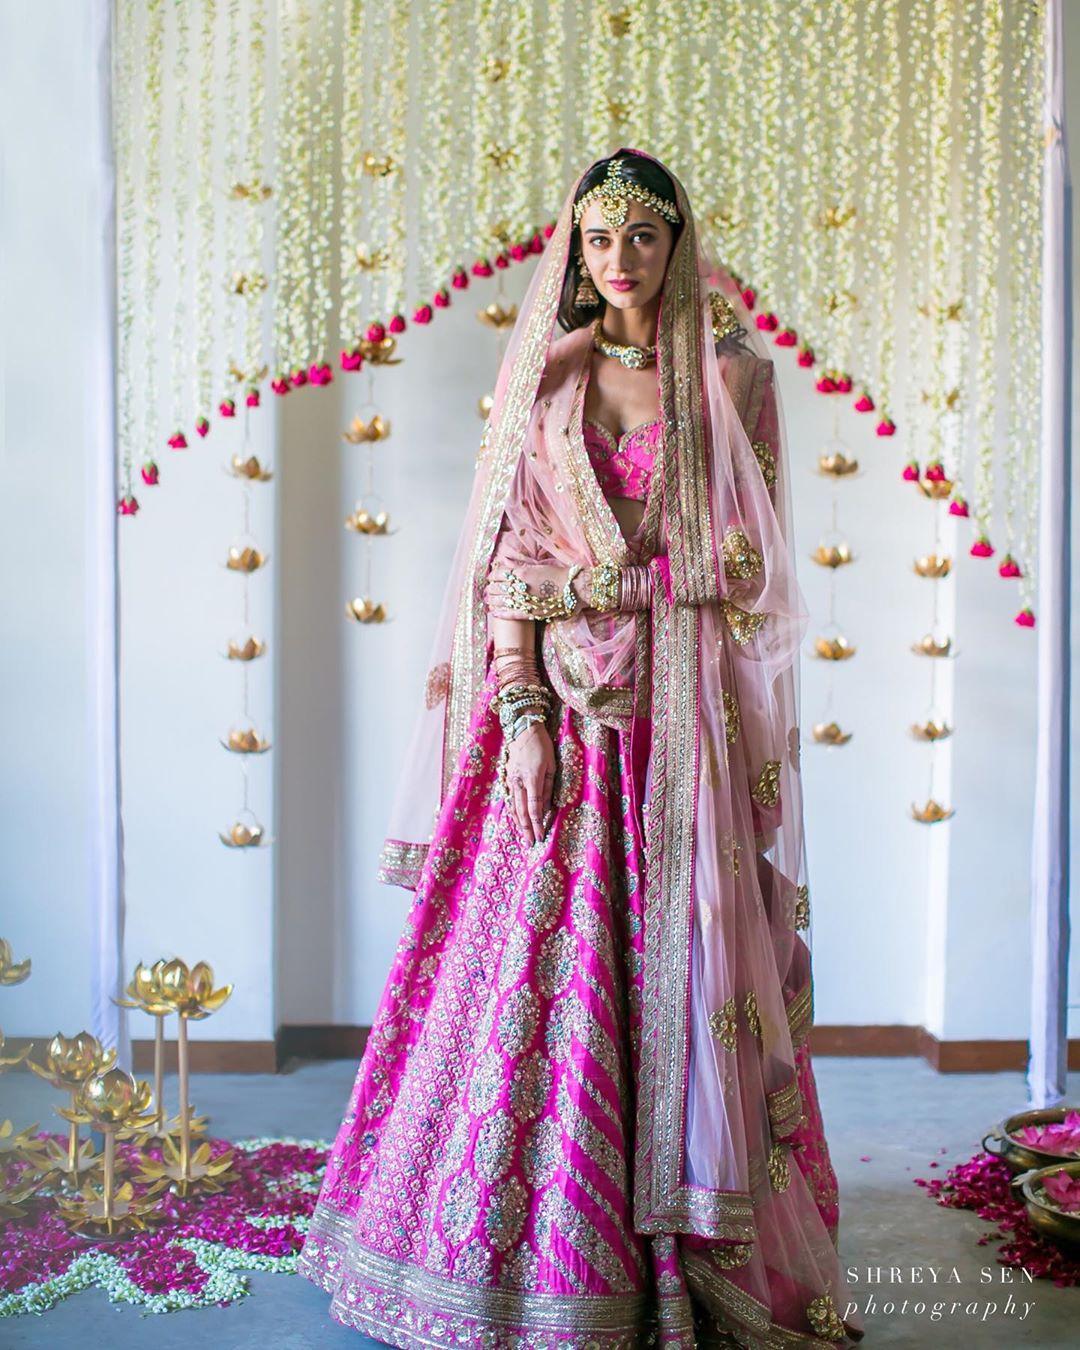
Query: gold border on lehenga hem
(400, 863)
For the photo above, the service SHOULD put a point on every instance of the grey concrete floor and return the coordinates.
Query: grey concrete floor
(898, 1113)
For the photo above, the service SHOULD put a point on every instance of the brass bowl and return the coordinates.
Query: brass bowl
(1024, 1157)
(1055, 1224)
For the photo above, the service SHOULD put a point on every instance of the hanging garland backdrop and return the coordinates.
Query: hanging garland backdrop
(868, 169)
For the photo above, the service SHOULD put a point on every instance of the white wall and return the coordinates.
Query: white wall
(912, 924)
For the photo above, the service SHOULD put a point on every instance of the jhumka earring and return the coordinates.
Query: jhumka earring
(585, 296)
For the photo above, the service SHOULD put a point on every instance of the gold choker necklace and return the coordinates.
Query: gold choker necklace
(632, 357)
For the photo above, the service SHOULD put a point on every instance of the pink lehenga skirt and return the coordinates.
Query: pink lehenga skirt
(479, 1191)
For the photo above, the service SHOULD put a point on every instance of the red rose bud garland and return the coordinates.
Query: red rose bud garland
(280, 385)
(843, 384)
(749, 297)
(864, 403)
(299, 377)
(202, 426)
(768, 322)
(397, 324)
(958, 507)
(982, 548)
(787, 337)
(826, 384)
(253, 398)
(911, 471)
(352, 360)
(935, 471)
(805, 357)
(227, 407)
(886, 427)
(150, 473)
(460, 279)
(375, 333)
(482, 268)
(442, 299)
(1009, 567)
(1025, 619)
(502, 261)
(320, 373)
(423, 314)
(127, 506)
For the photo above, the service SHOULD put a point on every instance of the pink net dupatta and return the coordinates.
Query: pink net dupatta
(707, 680)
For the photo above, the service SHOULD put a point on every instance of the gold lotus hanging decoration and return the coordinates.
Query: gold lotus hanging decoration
(833, 555)
(834, 648)
(932, 565)
(929, 645)
(837, 465)
(11, 971)
(937, 489)
(248, 284)
(932, 813)
(245, 559)
(70, 1062)
(249, 468)
(498, 316)
(931, 730)
(114, 1103)
(255, 191)
(364, 521)
(360, 432)
(248, 650)
(835, 217)
(379, 351)
(830, 733)
(378, 166)
(190, 993)
(365, 610)
(245, 834)
(245, 741)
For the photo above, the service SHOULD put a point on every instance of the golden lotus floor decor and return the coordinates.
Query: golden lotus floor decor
(200, 1248)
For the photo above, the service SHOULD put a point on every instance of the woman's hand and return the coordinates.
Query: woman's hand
(530, 777)
(542, 578)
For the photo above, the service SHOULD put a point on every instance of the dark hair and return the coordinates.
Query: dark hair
(638, 169)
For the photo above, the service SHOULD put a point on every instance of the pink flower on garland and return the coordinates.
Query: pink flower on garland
(299, 377)
(352, 360)
(935, 471)
(768, 322)
(549, 229)
(501, 260)
(1025, 619)
(397, 323)
(127, 506)
(178, 440)
(749, 297)
(253, 398)
(227, 407)
(442, 299)
(982, 548)
(911, 471)
(536, 243)
(958, 507)
(843, 384)
(1009, 567)
(460, 279)
(519, 252)
(826, 384)
(375, 333)
(150, 473)
(864, 403)
(280, 385)
(805, 357)
(787, 337)
(321, 372)
(423, 314)
(886, 427)
(202, 426)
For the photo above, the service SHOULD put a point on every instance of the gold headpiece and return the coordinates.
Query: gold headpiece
(613, 194)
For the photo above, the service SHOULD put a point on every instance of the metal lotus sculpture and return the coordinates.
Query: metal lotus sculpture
(833, 648)
(932, 813)
(9, 1061)
(24, 1168)
(144, 993)
(69, 1062)
(114, 1103)
(830, 733)
(11, 971)
(250, 468)
(245, 833)
(192, 996)
(365, 610)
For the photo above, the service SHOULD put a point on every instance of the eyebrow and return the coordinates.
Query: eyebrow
(636, 225)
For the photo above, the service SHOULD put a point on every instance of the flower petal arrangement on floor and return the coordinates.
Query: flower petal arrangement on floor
(982, 1184)
(197, 1255)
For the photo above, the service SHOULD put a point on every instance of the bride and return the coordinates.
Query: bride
(586, 1115)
